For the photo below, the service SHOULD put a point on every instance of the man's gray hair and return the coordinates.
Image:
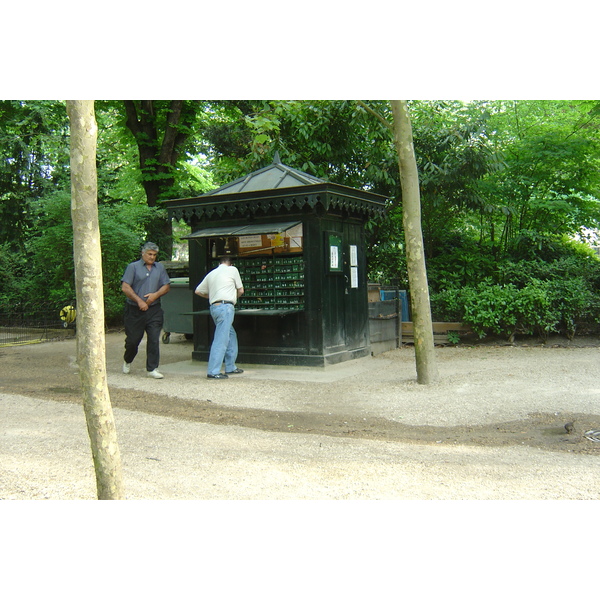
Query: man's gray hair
(149, 246)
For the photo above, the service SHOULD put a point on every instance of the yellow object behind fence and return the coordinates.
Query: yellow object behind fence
(68, 314)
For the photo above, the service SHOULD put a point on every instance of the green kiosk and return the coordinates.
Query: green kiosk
(299, 244)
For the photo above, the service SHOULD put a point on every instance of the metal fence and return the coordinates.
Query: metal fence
(21, 328)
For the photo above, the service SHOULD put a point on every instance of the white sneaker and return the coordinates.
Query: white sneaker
(126, 367)
(155, 374)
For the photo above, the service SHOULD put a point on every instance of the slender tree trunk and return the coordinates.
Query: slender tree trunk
(427, 371)
(90, 301)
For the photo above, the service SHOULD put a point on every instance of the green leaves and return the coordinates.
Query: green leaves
(506, 310)
(525, 297)
(501, 182)
(551, 182)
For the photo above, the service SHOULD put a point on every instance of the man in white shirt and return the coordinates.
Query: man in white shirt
(222, 286)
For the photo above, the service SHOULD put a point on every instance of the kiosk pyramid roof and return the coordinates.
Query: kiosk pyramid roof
(275, 176)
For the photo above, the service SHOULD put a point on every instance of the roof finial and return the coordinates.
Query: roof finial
(276, 158)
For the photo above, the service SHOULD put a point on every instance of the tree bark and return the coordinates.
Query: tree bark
(427, 371)
(156, 158)
(143, 128)
(90, 301)
(158, 155)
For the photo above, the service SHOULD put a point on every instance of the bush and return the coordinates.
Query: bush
(507, 310)
(573, 303)
(527, 296)
(539, 307)
(13, 277)
(44, 275)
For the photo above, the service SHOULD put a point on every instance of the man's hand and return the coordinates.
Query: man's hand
(150, 299)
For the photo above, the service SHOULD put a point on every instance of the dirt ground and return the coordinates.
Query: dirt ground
(492, 428)
(48, 371)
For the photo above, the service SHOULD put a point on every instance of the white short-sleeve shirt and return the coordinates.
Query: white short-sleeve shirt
(221, 284)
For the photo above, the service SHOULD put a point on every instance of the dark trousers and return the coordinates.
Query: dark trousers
(137, 322)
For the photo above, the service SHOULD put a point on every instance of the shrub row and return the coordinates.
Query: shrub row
(539, 307)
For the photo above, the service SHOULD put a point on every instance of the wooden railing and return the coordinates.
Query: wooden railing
(440, 331)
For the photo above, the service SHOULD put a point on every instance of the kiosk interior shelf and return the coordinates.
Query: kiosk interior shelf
(273, 283)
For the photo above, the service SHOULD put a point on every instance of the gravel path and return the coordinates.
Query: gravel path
(457, 439)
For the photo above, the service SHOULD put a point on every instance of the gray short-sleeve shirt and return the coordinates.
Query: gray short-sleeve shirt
(143, 280)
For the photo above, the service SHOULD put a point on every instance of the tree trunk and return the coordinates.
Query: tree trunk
(90, 301)
(427, 371)
(158, 156)
(142, 125)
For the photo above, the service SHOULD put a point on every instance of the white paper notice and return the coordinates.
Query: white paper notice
(250, 241)
(334, 257)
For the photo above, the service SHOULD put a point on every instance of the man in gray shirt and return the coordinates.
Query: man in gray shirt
(143, 283)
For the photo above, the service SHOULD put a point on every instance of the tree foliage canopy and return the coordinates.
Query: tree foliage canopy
(501, 182)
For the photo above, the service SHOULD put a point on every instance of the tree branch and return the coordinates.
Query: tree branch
(167, 154)
(382, 119)
(132, 117)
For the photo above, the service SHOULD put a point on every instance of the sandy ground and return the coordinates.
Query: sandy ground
(492, 428)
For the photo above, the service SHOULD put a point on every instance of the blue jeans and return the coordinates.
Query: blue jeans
(225, 344)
